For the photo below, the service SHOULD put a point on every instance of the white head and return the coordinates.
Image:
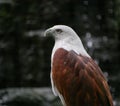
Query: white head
(65, 37)
(60, 32)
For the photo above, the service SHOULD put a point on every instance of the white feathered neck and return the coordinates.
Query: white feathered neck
(68, 40)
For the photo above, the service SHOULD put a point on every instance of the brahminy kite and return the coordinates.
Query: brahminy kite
(75, 77)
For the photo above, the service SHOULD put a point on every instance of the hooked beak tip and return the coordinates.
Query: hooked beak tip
(47, 33)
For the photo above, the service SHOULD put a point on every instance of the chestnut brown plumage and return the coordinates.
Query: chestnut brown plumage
(79, 80)
(75, 77)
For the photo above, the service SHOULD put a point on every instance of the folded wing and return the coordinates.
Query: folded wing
(79, 80)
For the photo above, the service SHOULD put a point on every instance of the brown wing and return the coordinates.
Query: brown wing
(79, 80)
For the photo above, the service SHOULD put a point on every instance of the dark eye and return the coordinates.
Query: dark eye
(59, 30)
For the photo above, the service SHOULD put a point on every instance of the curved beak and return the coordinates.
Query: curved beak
(48, 32)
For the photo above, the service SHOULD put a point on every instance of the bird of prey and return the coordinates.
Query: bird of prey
(75, 77)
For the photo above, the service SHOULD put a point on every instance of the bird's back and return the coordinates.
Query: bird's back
(79, 80)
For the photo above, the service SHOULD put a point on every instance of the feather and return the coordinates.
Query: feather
(75, 77)
(79, 80)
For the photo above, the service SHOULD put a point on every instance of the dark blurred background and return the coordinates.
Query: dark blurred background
(25, 53)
